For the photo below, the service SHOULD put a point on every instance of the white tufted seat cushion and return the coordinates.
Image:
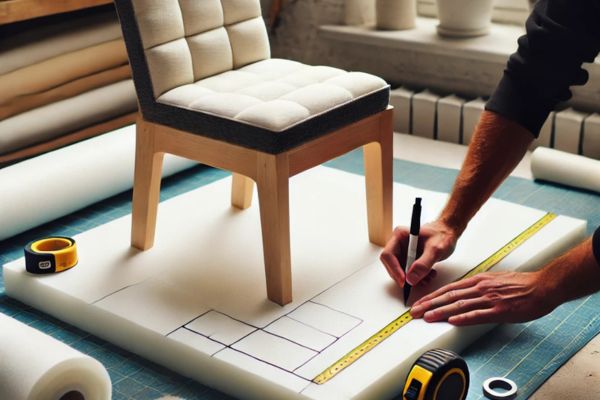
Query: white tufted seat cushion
(273, 94)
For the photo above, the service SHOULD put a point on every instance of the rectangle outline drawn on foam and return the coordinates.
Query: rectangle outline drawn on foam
(277, 332)
(251, 328)
(331, 310)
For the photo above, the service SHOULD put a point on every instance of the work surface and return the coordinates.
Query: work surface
(196, 301)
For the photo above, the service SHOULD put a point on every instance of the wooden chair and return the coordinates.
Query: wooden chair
(209, 91)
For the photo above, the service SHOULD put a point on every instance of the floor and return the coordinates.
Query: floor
(580, 377)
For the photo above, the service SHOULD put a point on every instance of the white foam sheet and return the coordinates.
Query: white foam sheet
(196, 302)
(401, 99)
(567, 130)
(35, 366)
(449, 118)
(423, 114)
(57, 183)
(591, 137)
(472, 111)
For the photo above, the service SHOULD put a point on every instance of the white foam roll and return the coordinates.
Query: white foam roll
(36, 366)
(57, 183)
(566, 168)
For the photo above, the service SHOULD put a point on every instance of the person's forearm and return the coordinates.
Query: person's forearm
(572, 275)
(497, 146)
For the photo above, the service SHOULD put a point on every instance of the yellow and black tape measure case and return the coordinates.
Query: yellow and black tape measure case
(50, 255)
(437, 375)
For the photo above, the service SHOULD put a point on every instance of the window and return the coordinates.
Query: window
(507, 11)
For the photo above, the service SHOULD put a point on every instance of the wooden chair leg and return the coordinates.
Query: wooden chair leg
(146, 187)
(241, 191)
(378, 176)
(273, 196)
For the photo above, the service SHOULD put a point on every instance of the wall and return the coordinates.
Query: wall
(296, 36)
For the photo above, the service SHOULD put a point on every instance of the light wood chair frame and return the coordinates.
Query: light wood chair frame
(271, 172)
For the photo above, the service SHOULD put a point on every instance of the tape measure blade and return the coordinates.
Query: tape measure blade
(356, 353)
(508, 248)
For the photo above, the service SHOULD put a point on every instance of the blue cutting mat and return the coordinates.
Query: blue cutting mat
(527, 353)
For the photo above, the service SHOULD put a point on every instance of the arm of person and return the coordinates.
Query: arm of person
(561, 36)
(516, 297)
(497, 146)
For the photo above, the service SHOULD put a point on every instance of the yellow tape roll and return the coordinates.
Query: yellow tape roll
(50, 255)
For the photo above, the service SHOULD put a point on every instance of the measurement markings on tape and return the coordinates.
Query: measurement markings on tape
(405, 318)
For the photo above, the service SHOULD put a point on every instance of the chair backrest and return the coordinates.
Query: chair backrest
(177, 42)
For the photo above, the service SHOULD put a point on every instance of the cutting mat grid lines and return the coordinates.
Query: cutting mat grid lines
(530, 358)
(136, 378)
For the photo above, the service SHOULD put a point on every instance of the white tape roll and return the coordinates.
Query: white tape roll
(35, 366)
(509, 389)
(566, 168)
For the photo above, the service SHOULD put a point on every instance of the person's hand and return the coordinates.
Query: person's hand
(436, 243)
(488, 298)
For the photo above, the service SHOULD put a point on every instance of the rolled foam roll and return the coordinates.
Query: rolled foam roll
(36, 366)
(566, 168)
(57, 183)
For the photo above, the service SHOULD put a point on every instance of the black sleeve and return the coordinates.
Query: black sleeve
(561, 36)
(596, 245)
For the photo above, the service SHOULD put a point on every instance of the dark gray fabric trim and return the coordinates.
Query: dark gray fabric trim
(225, 129)
(137, 58)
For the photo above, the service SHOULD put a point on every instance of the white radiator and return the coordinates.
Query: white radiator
(453, 119)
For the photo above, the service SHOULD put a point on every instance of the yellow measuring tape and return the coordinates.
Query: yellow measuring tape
(405, 318)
